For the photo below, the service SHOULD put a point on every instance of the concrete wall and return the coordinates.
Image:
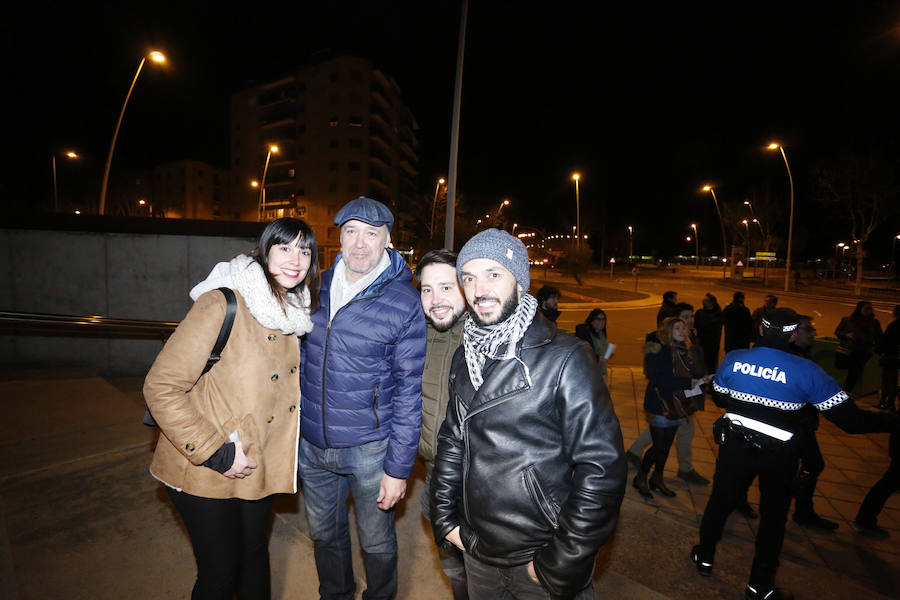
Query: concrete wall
(125, 275)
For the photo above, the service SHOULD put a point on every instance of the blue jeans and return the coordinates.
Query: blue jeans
(329, 475)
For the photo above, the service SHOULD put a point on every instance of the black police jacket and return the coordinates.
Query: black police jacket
(531, 465)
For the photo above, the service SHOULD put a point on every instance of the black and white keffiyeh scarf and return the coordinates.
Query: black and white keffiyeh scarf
(497, 341)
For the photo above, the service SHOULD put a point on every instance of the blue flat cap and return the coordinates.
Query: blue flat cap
(366, 210)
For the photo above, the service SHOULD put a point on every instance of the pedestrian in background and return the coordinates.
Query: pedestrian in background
(738, 324)
(890, 362)
(667, 308)
(768, 306)
(548, 299)
(593, 331)
(867, 518)
(229, 437)
(708, 323)
(859, 334)
(670, 372)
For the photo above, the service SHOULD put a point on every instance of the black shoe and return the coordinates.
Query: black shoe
(640, 484)
(746, 510)
(871, 530)
(693, 476)
(773, 593)
(658, 485)
(704, 567)
(634, 459)
(814, 521)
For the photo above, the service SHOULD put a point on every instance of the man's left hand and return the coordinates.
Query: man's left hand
(532, 573)
(392, 491)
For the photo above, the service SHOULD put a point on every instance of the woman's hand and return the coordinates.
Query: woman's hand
(242, 466)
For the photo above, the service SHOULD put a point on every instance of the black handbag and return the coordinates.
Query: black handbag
(216, 354)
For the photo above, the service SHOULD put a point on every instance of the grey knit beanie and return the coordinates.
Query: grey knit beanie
(499, 246)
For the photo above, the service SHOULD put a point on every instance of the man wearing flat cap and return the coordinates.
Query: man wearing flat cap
(530, 470)
(361, 398)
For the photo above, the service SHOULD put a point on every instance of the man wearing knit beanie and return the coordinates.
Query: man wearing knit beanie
(541, 447)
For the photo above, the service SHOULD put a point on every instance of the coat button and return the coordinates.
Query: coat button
(189, 447)
(272, 337)
(275, 377)
(272, 418)
(293, 370)
(291, 409)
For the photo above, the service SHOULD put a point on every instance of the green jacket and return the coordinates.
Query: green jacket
(439, 351)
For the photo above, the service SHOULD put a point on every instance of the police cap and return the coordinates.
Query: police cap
(780, 322)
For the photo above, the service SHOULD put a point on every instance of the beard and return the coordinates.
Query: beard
(445, 324)
(506, 310)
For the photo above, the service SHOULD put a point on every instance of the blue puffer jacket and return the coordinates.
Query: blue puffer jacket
(361, 378)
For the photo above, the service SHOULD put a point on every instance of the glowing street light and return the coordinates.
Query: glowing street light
(273, 149)
(630, 242)
(787, 264)
(711, 190)
(576, 177)
(697, 242)
(71, 155)
(158, 58)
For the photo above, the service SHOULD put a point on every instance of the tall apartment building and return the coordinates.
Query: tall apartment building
(190, 189)
(342, 131)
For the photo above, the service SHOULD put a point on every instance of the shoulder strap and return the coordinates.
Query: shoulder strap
(225, 331)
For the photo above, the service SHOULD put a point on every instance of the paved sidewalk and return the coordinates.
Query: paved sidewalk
(81, 518)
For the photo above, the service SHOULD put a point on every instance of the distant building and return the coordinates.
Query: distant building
(184, 189)
(342, 130)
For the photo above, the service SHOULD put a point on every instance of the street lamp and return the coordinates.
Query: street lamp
(437, 189)
(71, 155)
(893, 246)
(787, 264)
(515, 225)
(711, 190)
(158, 58)
(697, 242)
(576, 177)
(630, 242)
(746, 224)
(262, 186)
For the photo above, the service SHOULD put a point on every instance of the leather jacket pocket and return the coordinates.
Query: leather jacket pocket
(547, 506)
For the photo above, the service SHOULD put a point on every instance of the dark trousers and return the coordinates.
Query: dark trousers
(889, 386)
(736, 467)
(811, 466)
(230, 538)
(855, 370)
(509, 583)
(878, 495)
(657, 454)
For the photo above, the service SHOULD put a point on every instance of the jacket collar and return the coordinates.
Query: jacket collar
(397, 269)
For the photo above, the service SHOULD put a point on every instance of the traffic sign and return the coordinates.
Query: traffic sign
(612, 260)
(769, 256)
(740, 263)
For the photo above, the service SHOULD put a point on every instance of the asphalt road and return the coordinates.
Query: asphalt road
(629, 321)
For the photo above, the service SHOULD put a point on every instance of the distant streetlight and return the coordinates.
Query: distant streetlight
(262, 186)
(158, 58)
(630, 242)
(437, 189)
(576, 177)
(893, 261)
(746, 224)
(697, 242)
(71, 155)
(711, 190)
(787, 264)
(514, 228)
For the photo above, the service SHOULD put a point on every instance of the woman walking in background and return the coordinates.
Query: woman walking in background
(859, 334)
(228, 438)
(890, 362)
(593, 331)
(670, 373)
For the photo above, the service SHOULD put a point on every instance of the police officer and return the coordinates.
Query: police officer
(762, 391)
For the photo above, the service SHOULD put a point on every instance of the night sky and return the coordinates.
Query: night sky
(647, 100)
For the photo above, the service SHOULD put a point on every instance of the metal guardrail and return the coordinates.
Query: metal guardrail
(22, 323)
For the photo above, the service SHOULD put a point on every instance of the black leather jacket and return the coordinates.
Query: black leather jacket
(531, 470)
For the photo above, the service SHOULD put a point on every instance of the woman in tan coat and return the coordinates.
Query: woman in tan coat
(229, 440)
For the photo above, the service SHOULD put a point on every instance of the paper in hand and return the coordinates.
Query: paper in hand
(609, 350)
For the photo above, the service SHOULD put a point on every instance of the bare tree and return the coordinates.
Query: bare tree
(863, 185)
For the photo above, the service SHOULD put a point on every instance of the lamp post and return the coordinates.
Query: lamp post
(158, 58)
(787, 264)
(746, 225)
(71, 155)
(437, 189)
(576, 177)
(697, 242)
(515, 225)
(262, 186)
(711, 190)
(630, 242)
(504, 202)
(893, 260)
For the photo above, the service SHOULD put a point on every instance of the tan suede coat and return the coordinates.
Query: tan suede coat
(254, 389)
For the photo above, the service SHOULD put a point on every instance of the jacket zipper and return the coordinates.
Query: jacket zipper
(544, 504)
(375, 409)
